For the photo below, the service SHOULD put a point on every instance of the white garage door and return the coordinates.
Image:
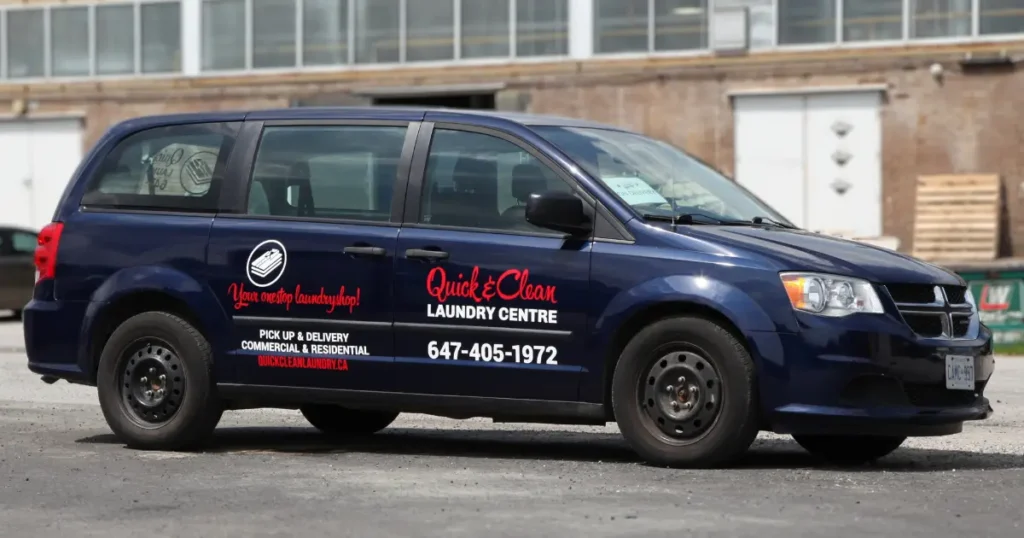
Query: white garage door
(39, 157)
(815, 158)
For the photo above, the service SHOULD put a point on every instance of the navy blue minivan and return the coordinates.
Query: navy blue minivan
(355, 263)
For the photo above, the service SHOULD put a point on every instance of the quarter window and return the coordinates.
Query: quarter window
(175, 168)
(475, 180)
(333, 172)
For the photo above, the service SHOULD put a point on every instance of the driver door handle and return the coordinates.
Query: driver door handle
(365, 251)
(426, 254)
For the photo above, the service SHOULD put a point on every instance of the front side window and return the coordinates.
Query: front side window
(327, 172)
(656, 178)
(174, 168)
(481, 181)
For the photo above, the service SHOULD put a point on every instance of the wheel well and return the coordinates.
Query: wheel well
(130, 305)
(648, 316)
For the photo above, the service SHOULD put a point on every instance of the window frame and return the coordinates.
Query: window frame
(606, 227)
(237, 190)
(226, 163)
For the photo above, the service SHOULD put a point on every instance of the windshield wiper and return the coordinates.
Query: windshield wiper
(763, 220)
(685, 218)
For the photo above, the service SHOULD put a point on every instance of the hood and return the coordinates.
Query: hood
(799, 250)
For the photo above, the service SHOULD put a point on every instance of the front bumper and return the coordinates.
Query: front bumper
(868, 375)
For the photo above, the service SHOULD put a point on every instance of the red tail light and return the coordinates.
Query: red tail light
(46, 250)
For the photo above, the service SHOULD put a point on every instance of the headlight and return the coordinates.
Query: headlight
(828, 295)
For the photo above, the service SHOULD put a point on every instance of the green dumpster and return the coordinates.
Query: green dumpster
(998, 289)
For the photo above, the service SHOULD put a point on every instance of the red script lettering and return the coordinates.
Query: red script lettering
(511, 285)
(242, 298)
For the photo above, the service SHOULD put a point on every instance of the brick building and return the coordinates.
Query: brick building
(829, 109)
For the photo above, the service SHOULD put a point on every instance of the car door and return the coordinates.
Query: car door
(486, 304)
(306, 268)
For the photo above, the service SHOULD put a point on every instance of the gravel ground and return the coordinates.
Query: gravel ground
(269, 474)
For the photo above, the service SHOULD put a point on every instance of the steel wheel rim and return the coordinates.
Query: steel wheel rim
(680, 396)
(152, 383)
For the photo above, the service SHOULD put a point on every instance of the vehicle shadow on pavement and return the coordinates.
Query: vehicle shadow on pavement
(561, 446)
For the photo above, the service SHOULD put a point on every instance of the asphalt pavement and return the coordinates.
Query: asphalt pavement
(269, 474)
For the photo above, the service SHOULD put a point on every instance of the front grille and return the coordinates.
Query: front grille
(961, 323)
(927, 325)
(912, 293)
(933, 311)
(955, 294)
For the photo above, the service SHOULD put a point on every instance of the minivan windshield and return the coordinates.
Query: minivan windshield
(655, 178)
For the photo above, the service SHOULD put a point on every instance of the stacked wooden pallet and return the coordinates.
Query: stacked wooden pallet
(957, 218)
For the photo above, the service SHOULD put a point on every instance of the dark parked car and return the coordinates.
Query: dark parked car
(355, 263)
(17, 270)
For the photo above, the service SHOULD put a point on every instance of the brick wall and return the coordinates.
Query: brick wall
(967, 123)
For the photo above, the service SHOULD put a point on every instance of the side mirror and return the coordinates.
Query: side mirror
(560, 211)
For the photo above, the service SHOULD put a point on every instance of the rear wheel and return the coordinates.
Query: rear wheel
(849, 449)
(340, 421)
(684, 394)
(155, 385)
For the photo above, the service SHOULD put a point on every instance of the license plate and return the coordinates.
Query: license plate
(959, 372)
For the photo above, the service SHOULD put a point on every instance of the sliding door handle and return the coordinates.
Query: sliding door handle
(425, 254)
(365, 251)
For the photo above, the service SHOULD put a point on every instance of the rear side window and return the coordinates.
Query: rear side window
(327, 172)
(173, 168)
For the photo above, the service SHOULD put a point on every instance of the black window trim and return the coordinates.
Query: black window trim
(417, 178)
(240, 182)
(85, 207)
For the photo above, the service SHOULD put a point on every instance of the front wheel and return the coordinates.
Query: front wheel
(155, 385)
(684, 394)
(849, 449)
(340, 421)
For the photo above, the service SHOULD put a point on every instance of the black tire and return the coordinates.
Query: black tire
(849, 449)
(183, 413)
(340, 421)
(721, 420)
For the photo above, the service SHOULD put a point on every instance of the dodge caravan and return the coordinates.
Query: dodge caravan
(356, 263)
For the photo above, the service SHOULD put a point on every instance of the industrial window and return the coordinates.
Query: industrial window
(378, 35)
(680, 24)
(26, 48)
(223, 26)
(273, 33)
(805, 22)
(340, 32)
(940, 18)
(430, 31)
(873, 20)
(161, 37)
(69, 41)
(1001, 16)
(485, 28)
(334, 172)
(325, 32)
(115, 39)
(542, 27)
(174, 168)
(621, 26)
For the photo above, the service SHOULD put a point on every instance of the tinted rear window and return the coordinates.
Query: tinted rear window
(173, 168)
